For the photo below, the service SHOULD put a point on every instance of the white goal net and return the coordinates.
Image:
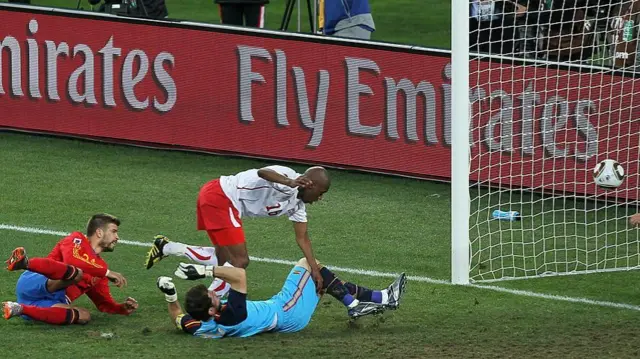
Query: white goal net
(552, 92)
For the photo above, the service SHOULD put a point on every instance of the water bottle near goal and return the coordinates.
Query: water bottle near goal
(506, 215)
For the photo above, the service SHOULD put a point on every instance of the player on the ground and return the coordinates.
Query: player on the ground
(288, 311)
(267, 192)
(74, 267)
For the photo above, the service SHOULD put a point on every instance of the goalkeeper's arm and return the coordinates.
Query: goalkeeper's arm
(166, 286)
(236, 277)
(174, 311)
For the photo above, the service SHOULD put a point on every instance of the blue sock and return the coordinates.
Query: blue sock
(376, 296)
(348, 299)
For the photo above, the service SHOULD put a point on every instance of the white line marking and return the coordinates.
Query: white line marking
(374, 273)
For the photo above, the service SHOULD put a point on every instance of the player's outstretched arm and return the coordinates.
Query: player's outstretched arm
(166, 286)
(236, 277)
(100, 295)
(304, 242)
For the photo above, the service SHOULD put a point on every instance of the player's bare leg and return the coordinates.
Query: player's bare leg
(222, 254)
(238, 256)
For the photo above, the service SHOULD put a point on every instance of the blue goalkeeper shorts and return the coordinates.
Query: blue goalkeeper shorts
(298, 300)
(31, 289)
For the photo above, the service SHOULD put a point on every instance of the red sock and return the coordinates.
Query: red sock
(52, 315)
(52, 269)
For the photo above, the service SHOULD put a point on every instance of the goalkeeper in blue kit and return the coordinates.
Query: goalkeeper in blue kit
(288, 311)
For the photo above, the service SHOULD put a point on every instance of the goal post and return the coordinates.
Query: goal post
(542, 91)
(459, 142)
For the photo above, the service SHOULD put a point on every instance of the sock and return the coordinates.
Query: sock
(367, 295)
(337, 289)
(52, 315)
(219, 286)
(202, 255)
(52, 269)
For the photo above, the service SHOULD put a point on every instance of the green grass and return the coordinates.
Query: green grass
(401, 21)
(555, 235)
(365, 221)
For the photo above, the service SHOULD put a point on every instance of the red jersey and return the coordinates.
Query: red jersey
(76, 250)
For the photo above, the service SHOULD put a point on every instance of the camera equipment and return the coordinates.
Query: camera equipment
(123, 7)
(288, 11)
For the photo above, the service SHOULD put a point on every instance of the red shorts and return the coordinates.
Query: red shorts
(217, 215)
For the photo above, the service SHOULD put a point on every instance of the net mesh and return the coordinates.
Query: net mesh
(552, 86)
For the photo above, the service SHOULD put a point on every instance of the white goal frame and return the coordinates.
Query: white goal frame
(461, 144)
(460, 116)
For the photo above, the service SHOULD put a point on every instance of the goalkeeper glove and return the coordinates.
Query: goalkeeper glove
(166, 286)
(193, 271)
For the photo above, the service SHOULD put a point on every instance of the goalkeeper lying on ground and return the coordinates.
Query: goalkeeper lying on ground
(288, 311)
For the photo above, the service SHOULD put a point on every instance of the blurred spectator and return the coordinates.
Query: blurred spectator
(242, 12)
(348, 18)
(492, 25)
(622, 32)
(566, 32)
(154, 9)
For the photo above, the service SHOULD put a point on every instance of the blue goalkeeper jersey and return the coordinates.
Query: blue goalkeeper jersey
(238, 317)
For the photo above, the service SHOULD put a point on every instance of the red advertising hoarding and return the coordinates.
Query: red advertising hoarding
(378, 108)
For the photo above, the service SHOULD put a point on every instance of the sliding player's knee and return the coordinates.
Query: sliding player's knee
(84, 316)
(305, 264)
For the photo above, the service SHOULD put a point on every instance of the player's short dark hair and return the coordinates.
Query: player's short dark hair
(100, 220)
(197, 302)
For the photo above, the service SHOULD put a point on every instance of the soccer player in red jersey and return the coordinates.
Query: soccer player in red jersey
(74, 267)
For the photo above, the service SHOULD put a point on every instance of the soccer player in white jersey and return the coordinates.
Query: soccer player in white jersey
(222, 203)
(288, 311)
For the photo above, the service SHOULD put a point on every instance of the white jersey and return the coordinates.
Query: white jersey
(256, 197)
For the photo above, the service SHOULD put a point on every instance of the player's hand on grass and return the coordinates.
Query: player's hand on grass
(130, 305)
(166, 286)
(635, 219)
(116, 278)
(193, 271)
(301, 182)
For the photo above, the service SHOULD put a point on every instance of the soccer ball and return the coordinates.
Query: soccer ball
(608, 174)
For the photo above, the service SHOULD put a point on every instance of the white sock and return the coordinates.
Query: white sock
(219, 286)
(202, 255)
(353, 304)
(385, 296)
